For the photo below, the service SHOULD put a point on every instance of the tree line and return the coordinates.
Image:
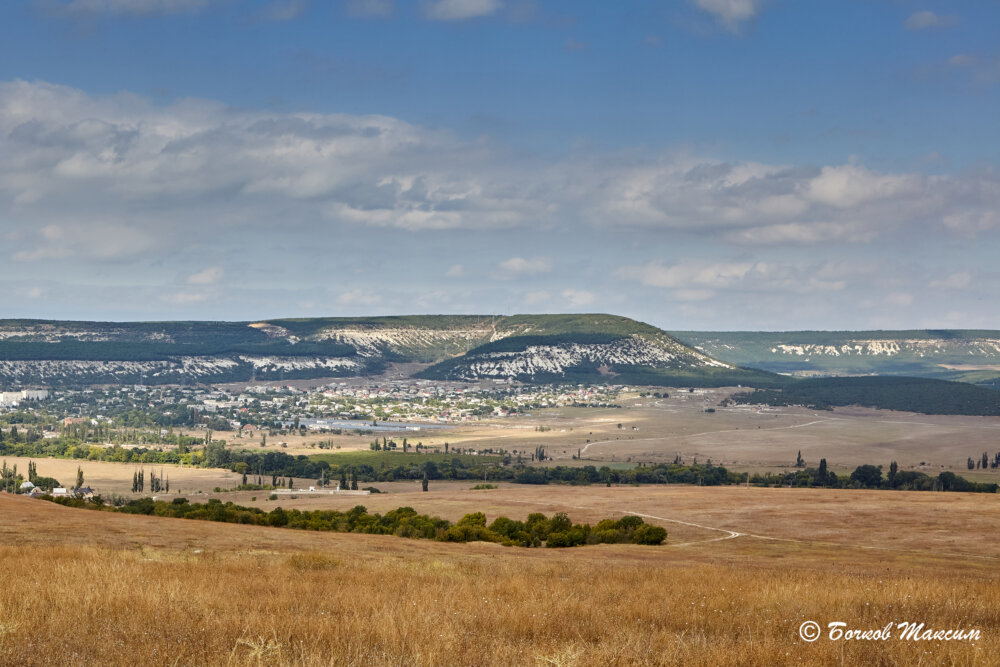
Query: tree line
(536, 530)
(869, 476)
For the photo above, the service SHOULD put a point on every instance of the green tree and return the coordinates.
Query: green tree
(560, 523)
(868, 476)
(821, 474)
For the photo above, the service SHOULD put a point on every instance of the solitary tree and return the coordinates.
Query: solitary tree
(821, 474)
(423, 484)
(79, 477)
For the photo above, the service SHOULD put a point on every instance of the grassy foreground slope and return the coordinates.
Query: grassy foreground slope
(96, 588)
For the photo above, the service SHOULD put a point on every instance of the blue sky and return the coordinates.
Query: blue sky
(697, 164)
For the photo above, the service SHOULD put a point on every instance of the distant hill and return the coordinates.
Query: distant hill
(529, 348)
(954, 354)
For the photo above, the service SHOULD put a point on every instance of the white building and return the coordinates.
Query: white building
(14, 398)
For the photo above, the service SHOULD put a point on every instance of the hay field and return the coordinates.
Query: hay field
(116, 478)
(99, 588)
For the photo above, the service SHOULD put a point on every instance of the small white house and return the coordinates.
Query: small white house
(60, 492)
(26, 487)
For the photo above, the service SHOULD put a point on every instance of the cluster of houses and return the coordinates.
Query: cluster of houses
(33, 491)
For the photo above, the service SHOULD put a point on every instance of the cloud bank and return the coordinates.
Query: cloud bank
(112, 177)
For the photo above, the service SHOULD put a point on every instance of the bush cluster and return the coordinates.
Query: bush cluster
(536, 531)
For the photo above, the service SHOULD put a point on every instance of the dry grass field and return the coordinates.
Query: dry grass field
(744, 437)
(102, 588)
(116, 478)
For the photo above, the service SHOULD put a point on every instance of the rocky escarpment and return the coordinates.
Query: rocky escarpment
(970, 355)
(558, 359)
(530, 348)
(182, 370)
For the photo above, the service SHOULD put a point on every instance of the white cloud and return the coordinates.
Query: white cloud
(520, 266)
(898, 299)
(456, 271)
(186, 298)
(111, 177)
(97, 241)
(958, 280)
(731, 13)
(359, 297)
(685, 274)
(371, 8)
(694, 294)
(964, 60)
(848, 186)
(121, 7)
(536, 298)
(928, 19)
(805, 233)
(284, 10)
(973, 222)
(696, 280)
(209, 276)
(458, 10)
(576, 298)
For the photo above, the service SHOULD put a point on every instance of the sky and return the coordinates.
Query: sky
(694, 164)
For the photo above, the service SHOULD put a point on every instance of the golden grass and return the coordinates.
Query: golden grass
(108, 478)
(97, 588)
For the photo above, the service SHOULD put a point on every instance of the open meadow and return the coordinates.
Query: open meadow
(743, 437)
(105, 588)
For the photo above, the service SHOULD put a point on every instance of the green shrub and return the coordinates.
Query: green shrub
(647, 534)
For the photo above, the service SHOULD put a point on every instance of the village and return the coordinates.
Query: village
(359, 405)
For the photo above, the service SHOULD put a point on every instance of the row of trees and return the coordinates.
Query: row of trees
(535, 531)
(873, 477)
(157, 483)
(984, 462)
